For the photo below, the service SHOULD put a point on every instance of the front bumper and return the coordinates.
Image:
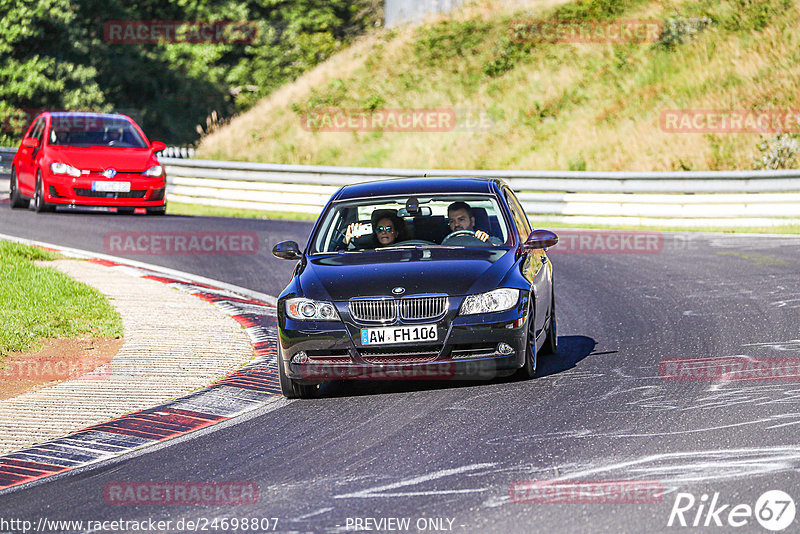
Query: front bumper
(467, 348)
(66, 190)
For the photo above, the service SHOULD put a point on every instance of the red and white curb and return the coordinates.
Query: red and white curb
(242, 391)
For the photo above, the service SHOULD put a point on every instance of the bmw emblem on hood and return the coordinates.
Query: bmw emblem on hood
(399, 290)
(110, 173)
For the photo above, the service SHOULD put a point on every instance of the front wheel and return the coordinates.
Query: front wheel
(15, 198)
(551, 343)
(38, 196)
(292, 389)
(529, 369)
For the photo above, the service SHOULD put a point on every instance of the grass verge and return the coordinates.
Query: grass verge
(40, 302)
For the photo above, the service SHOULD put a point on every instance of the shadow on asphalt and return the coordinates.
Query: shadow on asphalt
(571, 350)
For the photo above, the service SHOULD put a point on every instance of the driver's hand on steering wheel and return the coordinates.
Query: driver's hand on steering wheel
(483, 236)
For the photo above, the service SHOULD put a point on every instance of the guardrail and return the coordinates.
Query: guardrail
(689, 198)
(712, 198)
(6, 155)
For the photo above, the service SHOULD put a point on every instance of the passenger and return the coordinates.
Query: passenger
(460, 217)
(387, 229)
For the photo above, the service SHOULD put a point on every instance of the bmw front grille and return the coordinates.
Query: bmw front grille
(373, 310)
(384, 310)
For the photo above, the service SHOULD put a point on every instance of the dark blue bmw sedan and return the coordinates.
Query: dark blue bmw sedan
(419, 278)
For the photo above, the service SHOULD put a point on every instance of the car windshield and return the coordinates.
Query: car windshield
(433, 221)
(94, 130)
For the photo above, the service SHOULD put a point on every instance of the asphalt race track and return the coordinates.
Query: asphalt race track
(444, 454)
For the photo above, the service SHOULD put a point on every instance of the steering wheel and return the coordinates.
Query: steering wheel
(461, 233)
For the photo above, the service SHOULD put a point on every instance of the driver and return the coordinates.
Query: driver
(113, 137)
(460, 217)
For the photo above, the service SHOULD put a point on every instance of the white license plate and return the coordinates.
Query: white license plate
(398, 334)
(112, 187)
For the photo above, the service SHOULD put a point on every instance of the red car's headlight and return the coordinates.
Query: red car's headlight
(63, 168)
(154, 172)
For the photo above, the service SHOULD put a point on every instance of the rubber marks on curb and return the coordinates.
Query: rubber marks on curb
(241, 391)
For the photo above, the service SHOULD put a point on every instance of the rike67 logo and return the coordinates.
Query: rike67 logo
(774, 510)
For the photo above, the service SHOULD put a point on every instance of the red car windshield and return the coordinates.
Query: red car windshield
(94, 130)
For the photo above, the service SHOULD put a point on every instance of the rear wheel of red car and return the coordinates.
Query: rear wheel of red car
(38, 196)
(291, 389)
(15, 198)
(529, 369)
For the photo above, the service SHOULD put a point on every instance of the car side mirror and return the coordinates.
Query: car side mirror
(157, 146)
(287, 250)
(540, 239)
(30, 142)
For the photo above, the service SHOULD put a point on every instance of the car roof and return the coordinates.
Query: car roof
(418, 186)
(86, 114)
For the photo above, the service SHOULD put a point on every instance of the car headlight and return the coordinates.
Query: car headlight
(494, 301)
(311, 310)
(63, 168)
(155, 171)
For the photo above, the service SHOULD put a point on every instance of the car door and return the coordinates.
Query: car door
(535, 267)
(27, 162)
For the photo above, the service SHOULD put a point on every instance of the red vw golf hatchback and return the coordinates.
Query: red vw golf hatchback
(87, 159)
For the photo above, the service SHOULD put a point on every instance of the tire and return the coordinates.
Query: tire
(551, 343)
(39, 205)
(157, 211)
(528, 370)
(15, 198)
(291, 389)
